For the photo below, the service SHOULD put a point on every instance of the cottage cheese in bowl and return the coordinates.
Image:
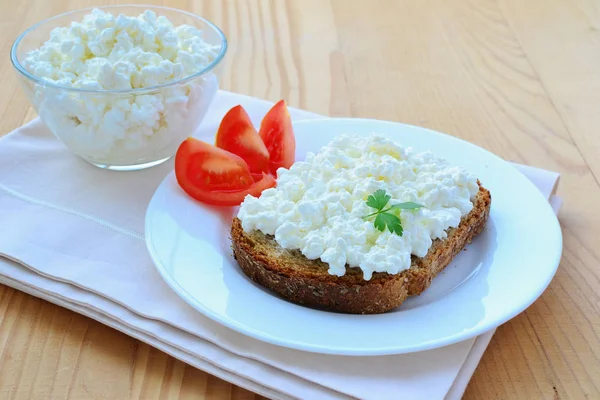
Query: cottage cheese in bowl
(123, 91)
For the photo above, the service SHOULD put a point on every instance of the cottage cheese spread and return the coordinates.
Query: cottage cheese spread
(318, 204)
(104, 52)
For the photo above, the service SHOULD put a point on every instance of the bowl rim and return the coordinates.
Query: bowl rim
(21, 69)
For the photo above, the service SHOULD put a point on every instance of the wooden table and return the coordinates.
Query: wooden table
(520, 78)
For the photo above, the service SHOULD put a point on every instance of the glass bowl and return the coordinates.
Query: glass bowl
(122, 129)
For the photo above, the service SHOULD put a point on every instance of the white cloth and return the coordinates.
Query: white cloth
(72, 234)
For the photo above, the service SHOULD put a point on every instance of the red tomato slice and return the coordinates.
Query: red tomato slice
(277, 134)
(201, 165)
(237, 135)
(215, 176)
(235, 197)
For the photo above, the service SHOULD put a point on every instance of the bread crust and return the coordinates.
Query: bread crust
(307, 282)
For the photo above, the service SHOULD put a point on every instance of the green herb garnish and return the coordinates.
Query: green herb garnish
(383, 216)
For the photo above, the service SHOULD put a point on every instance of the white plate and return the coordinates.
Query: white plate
(499, 275)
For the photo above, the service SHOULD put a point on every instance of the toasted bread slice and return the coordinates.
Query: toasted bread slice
(307, 282)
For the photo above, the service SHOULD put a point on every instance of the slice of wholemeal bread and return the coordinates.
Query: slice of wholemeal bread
(307, 282)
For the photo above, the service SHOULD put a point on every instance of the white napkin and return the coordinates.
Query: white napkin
(72, 235)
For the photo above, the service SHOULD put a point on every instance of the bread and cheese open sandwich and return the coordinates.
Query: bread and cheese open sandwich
(302, 239)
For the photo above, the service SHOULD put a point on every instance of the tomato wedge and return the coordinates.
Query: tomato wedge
(204, 166)
(235, 197)
(278, 136)
(215, 176)
(237, 135)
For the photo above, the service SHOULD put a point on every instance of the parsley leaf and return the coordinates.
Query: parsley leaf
(391, 221)
(378, 200)
(406, 206)
(383, 217)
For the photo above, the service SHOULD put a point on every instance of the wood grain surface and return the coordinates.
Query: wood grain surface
(520, 78)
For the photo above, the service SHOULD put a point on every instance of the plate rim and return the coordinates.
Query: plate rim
(373, 351)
